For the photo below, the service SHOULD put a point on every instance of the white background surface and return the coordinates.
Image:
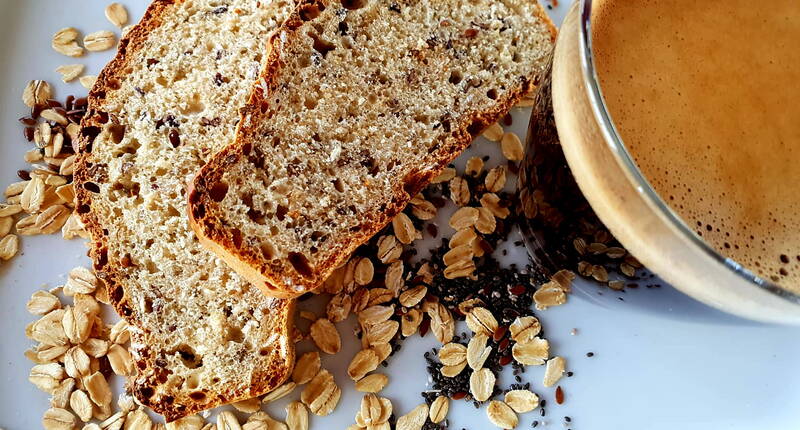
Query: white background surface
(661, 361)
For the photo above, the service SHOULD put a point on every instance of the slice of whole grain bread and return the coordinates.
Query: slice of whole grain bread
(361, 104)
(202, 335)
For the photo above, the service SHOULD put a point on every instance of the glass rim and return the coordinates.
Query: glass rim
(634, 174)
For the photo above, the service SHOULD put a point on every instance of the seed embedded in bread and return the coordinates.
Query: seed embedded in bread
(359, 107)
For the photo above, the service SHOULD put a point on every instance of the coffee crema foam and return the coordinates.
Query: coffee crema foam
(707, 99)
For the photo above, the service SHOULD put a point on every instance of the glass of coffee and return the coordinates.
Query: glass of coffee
(680, 123)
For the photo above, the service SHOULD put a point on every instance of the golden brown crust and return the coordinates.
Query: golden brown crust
(109, 271)
(272, 277)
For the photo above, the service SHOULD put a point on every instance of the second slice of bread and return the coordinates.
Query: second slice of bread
(361, 104)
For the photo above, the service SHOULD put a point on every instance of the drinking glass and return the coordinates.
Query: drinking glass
(621, 197)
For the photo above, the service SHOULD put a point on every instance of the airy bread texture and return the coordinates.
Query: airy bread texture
(169, 100)
(361, 104)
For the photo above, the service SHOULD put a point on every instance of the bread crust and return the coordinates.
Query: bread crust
(273, 279)
(109, 272)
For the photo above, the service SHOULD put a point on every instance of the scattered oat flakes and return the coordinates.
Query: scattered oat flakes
(493, 133)
(279, 392)
(477, 351)
(495, 179)
(88, 81)
(481, 320)
(99, 40)
(452, 354)
(36, 93)
(365, 361)
(325, 336)
(459, 191)
(501, 415)
(525, 329)
(549, 294)
(65, 42)
(296, 416)
(117, 14)
(413, 420)
(439, 409)
(512, 147)
(464, 217)
(533, 353)
(306, 367)
(554, 370)
(58, 419)
(481, 384)
(9, 246)
(404, 229)
(522, 401)
(447, 174)
(372, 383)
(474, 166)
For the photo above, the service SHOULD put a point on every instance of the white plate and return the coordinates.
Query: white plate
(662, 361)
